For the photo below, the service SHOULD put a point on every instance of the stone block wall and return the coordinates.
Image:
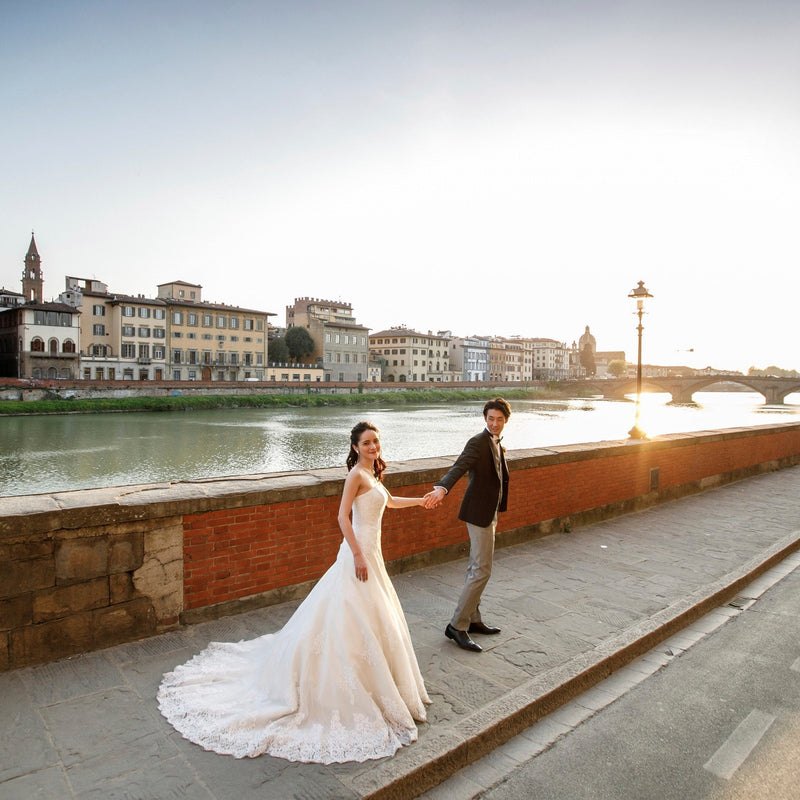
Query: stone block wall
(66, 590)
(85, 570)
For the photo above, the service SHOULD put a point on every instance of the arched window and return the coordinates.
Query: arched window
(37, 345)
(69, 346)
(53, 344)
(52, 372)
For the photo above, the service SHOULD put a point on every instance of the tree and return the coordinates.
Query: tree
(617, 367)
(278, 352)
(299, 343)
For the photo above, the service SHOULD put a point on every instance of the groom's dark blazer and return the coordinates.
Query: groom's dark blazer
(486, 491)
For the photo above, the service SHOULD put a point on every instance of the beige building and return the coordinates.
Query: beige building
(521, 358)
(497, 358)
(513, 360)
(411, 356)
(175, 336)
(551, 360)
(341, 345)
(122, 337)
(212, 341)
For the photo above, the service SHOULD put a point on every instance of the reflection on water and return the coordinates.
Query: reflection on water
(54, 453)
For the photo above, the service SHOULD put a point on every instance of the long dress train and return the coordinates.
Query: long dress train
(339, 682)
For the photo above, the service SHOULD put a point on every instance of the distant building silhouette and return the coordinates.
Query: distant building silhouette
(587, 349)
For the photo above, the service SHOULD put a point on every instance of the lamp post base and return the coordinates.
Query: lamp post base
(637, 433)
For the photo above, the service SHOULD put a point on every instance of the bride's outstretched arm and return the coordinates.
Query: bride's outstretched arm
(404, 502)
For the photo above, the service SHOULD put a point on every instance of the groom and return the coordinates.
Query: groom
(487, 493)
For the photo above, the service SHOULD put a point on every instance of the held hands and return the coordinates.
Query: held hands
(434, 498)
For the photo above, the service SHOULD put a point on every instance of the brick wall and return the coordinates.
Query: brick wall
(84, 570)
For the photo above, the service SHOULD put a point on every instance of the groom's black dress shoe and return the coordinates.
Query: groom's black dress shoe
(461, 638)
(479, 627)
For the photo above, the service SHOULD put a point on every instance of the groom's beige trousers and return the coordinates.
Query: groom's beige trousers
(479, 570)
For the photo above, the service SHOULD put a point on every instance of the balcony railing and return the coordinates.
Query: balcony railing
(48, 354)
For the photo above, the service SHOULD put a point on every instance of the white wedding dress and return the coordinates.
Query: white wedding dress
(339, 682)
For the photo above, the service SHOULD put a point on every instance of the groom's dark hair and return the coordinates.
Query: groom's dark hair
(498, 404)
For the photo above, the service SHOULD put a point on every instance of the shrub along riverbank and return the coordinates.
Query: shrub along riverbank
(202, 402)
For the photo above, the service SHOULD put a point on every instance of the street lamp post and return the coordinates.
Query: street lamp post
(639, 294)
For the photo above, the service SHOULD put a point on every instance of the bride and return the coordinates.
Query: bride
(340, 681)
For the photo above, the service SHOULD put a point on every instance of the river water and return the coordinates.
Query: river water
(54, 453)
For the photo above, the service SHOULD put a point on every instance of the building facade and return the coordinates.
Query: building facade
(551, 360)
(440, 370)
(294, 373)
(513, 360)
(603, 358)
(38, 340)
(212, 341)
(122, 337)
(9, 298)
(175, 336)
(408, 356)
(341, 345)
(469, 358)
(497, 359)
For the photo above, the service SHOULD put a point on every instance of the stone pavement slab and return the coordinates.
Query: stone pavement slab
(574, 608)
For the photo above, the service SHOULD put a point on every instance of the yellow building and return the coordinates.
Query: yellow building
(294, 373)
(175, 336)
(212, 341)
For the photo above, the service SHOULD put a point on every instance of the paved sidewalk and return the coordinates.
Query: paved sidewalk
(574, 608)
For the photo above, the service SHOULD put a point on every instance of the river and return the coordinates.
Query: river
(41, 454)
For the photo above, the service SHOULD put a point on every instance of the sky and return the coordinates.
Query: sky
(492, 168)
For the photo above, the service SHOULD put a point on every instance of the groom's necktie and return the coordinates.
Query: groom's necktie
(498, 458)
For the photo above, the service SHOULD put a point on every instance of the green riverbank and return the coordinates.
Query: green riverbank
(205, 402)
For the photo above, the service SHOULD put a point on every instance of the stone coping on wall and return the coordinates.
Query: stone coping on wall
(39, 513)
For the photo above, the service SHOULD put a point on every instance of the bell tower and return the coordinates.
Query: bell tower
(32, 279)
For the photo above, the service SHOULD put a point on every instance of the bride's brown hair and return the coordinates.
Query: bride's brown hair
(352, 456)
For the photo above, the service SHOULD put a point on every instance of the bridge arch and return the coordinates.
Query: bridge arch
(682, 389)
(773, 390)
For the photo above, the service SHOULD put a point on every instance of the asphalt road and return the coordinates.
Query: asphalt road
(720, 722)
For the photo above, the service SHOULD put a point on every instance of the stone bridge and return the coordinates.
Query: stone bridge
(774, 390)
